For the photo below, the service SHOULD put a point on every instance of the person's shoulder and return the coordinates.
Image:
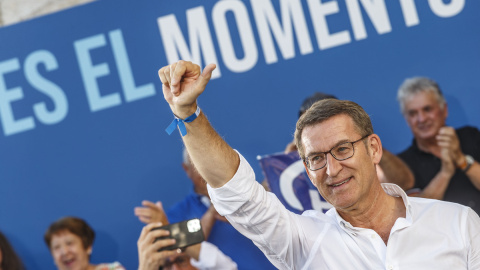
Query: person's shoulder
(469, 136)
(186, 202)
(110, 266)
(467, 130)
(187, 208)
(405, 154)
(436, 208)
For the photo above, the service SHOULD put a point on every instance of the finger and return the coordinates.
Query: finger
(149, 204)
(443, 138)
(139, 210)
(446, 130)
(144, 219)
(166, 73)
(150, 227)
(205, 76)
(156, 233)
(142, 211)
(162, 243)
(445, 145)
(151, 238)
(180, 68)
(161, 75)
(173, 66)
(148, 235)
(145, 231)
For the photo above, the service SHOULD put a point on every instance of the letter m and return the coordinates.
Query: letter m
(199, 35)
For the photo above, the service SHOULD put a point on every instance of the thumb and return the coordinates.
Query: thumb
(205, 76)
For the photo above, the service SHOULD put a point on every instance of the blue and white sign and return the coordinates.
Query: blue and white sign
(287, 179)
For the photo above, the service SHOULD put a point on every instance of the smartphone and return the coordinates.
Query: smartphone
(186, 233)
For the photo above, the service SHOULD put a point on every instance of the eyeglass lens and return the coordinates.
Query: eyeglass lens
(340, 152)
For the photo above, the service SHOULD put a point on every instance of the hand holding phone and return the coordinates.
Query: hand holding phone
(185, 233)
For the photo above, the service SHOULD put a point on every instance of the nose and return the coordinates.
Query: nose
(421, 116)
(63, 250)
(333, 166)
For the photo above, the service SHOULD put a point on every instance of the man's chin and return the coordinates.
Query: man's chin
(343, 204)
(426, 135)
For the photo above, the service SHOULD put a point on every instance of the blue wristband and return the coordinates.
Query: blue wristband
(181, 123)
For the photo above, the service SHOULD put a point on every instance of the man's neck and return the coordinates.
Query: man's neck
(379, 216)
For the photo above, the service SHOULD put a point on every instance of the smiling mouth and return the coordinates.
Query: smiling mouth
(68, 262)
(341, 183)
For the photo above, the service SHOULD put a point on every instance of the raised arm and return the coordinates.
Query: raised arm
(214, 159)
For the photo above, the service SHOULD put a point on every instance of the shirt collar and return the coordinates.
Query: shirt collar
(389, 188)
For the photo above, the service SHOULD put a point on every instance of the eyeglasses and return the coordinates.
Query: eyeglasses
(340, 152)
(181, 262)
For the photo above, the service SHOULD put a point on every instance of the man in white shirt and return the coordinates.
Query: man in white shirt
(372, 225)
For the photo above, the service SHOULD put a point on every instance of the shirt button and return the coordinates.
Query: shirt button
(373, 236)
(390, 267)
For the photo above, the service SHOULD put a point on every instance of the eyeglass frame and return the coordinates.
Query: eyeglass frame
(305, 160)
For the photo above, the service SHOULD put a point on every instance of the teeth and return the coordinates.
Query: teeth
(336, 185)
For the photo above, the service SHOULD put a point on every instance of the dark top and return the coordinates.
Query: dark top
(425, 166)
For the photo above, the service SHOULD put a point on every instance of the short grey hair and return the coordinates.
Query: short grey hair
(415, 85)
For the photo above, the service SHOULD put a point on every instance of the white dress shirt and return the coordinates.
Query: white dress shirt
(211, 258)
(433, 235)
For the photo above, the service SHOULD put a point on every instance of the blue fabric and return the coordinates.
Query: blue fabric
(223, 235)
(181, 123)
(176, 122)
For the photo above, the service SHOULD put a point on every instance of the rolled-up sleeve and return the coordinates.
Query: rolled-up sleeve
(260, 216)
(236, 192)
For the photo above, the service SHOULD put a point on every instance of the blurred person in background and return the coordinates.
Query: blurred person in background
(203, 256)
(70, 241)
(444, 160)
(9, 260)
(216, 228)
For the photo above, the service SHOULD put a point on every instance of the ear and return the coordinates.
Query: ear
(89, 250)
(375, 148)
(308, 173)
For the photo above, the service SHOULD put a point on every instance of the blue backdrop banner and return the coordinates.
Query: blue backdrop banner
(82, 115)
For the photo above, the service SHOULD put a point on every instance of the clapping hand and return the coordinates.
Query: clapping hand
(151, 212)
